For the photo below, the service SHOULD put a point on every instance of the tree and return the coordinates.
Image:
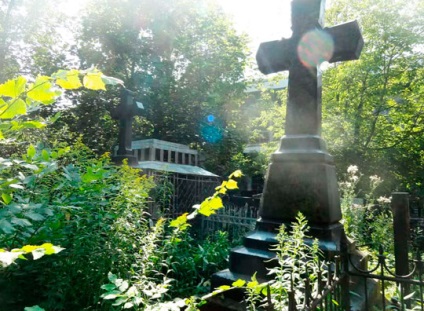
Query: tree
(32, 38)
(373, 107)
(183, 58)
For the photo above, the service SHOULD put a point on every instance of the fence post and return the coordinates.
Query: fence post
(401, 218)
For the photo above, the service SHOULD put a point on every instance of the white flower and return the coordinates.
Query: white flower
(352, 169)
(384, 200)
(375, 179)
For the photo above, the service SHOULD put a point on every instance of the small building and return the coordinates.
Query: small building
(181, 183)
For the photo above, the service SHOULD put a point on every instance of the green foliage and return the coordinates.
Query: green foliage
(83, 203)
(37, 251)
(298, 258)
(172, 265)
(372, 107)
(18, 97)
(369, 223)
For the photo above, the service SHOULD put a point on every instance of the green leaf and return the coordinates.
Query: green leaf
(111, 80)
(13, 88)
(34, 216)
(236, 174)
(34, 308)
(93, 81)
(21, 222)
(124, 286)
(69, 80)
(38, 253)
(108, 287)
(209, 206)
(6, 226)
(239, 283)
(45, 155)
(31, 151)
(224, 287)
(7, 198)
(231, 184)
(33, 124)
(42, 91)
(14, 108)
(111, 277)
(128, 305)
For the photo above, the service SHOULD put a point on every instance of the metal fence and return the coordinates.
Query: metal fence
(176, 194)
(236, 218)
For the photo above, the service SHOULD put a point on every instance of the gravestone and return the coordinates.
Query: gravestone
(126, 110)
(301, 176)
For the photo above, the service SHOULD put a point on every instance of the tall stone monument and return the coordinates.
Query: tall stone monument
(128, 108)
(301, 176)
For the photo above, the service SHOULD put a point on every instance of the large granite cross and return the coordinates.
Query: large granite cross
(125, 112)
(301, 176)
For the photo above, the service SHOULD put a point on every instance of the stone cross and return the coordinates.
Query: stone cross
(125, 112)
(309, 45)
(301, 176)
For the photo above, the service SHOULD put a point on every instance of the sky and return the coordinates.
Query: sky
(263, 20)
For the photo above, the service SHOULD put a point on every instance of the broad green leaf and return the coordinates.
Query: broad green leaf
(119, 301)
(1, 135)
(34, 216)
(33, 124)
(21, 222)
(14, 108)
(252, 284)
(209, 206)
(7, 258)
(180, 222)
(45, 155)
(239, 283)
(124, 286)
(93, 81)
(69, 80)
(112, 277)
(30, 248)
(38, 253)
(231, 184)
(128, 305)
(108, 287)
(236, 174)
(7, 198)
(224, 287)
(6, 226)
(34, 308)
(42, 91)
(111, 80)
(13, 88)
(31, 151)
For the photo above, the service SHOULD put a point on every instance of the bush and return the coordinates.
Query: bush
(71, 198)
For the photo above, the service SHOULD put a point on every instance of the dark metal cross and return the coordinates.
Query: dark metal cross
(309, 45)
(125, 112)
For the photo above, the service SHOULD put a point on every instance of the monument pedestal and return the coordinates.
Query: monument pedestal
(300, 178)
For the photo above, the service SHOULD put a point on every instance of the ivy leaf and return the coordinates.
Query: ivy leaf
(13, 88)
(31, 151)
(93, 81)
(239, 283)
(69, 80)
(7, 198)
(112, 80)
(42, 91)
(236, 174)
(231, 184)
(13, 108)
(6, 226)
(209, 206)
(180, 222)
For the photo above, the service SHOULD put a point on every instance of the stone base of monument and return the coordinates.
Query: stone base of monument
(119, 159)
(254, 256)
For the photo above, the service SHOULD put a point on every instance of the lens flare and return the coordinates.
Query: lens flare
(210, 118)
(315, 47)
